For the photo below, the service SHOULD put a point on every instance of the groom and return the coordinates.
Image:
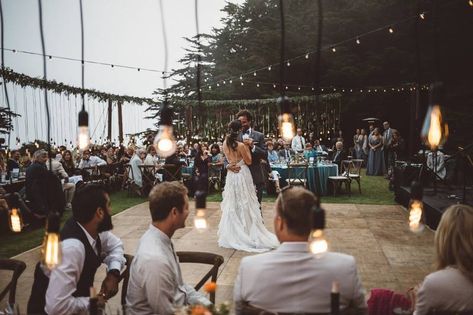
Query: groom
(258, 151)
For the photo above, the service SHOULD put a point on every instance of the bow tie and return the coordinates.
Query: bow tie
(247, 132)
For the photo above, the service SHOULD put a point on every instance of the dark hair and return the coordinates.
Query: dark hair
(216, 146)
(87, 199)
(246, 114)
(233, 132)
(297, 209)
(164, 197)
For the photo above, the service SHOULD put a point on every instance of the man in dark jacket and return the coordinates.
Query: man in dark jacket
(43, 188)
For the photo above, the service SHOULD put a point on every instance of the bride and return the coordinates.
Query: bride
(241, 226)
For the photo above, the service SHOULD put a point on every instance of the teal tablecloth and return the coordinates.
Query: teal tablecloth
(317, 176)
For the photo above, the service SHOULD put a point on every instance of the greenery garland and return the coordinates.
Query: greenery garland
(59, 87)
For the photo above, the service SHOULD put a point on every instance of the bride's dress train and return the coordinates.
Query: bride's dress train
(241, 226)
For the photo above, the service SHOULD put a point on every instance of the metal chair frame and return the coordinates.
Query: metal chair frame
(17, 266)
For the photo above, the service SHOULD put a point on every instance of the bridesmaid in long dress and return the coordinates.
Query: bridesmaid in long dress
(375, 158)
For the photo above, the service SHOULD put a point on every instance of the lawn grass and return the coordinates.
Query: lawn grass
(14, 244)
(374, 190)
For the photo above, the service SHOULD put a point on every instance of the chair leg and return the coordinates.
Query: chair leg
(359, 185)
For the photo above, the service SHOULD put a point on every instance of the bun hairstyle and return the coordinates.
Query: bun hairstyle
(233, 132)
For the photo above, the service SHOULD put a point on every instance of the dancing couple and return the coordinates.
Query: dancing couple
(241, 226)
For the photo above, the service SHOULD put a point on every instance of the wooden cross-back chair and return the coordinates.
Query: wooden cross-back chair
(297, 174)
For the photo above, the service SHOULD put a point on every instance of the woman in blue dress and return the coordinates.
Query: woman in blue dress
(376, 165)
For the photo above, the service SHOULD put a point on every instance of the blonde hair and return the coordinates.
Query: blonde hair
(454, 240)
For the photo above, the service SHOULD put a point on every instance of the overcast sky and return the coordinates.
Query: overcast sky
(126, 32)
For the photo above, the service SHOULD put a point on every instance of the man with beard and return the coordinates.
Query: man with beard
(86, 243)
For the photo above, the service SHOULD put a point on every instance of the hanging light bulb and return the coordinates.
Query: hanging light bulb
(470, 3)
(83, 132)
(358, 41)
(318, 244)
(14, 220)
(274, 86)
(435, 131)
(286, 119)
(254, 74)
(257, 84)
(241, 77)
(200, 222)
(51, 250)
(288, 64)
(416, 208)
(391, 30)
(422, 15)
(231, 81)
(334, 49)
(164, 141)
(269, 68)
(307, 56)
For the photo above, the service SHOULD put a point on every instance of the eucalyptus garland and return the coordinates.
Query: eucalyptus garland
(59, 87)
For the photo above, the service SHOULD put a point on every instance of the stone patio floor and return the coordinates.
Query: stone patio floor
(388, 255)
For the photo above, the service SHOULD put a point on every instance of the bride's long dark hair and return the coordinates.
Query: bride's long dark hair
(233, 132)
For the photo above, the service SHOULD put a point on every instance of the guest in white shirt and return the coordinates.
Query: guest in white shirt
(90, 160)
(86, 243)
(68, 188)
(152, 157)
(156, 285)
(450, 288)
(135, 162)
(290, 279)
(298, 142)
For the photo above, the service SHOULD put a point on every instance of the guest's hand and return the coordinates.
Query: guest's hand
(101, 301)
(233, 168)
(110, 286)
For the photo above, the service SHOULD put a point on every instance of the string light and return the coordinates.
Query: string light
(269, 68)
(254, 74)
(422, 15)
(242, 83)
(231, 81)
(14, 220)
(307, 56)
(391, 30)
(287, 88)
(257, 84)
(288, 64)
(334, 49)
(299, 88)
(274, 85)
(51, 250)
(224, 82)
(358, 41)
(241, 77)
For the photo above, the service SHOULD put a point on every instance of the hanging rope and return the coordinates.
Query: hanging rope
(3, 65)
(35, 107)
(25, 102)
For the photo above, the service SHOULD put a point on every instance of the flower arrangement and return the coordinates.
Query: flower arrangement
(198, 309)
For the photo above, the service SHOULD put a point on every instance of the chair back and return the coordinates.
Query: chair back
(356, 166)
(171, 172)
(203, 258)
(297, 174)
(125, 277)
(17, 266)
(347, 165)
(148, 174)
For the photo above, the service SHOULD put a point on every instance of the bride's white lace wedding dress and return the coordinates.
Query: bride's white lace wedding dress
(241, 226)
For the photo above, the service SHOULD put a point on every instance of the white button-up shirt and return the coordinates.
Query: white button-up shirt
(298, 143)
(91, 162)
(64, 278)
(156, 285)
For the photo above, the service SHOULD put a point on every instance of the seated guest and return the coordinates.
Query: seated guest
(135, 172)
(450, 288)
(68, 188)
(309, 152)
(43, 189)
(290, 279)
(152, 157)
(273, 156)
(86, 243)
(286, 153)
(90, 160)
(339, 155)
(13, 162)
(320, 148)
(156, 285)
(68, 163)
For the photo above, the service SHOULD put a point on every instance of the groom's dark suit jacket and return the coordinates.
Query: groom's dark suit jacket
(259, 154)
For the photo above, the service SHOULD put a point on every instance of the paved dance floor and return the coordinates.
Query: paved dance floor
(388, 255)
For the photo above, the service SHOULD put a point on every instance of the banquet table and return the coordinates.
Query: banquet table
(317, 176)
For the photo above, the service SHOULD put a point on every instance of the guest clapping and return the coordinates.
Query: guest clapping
(450, 288)
(290, 279)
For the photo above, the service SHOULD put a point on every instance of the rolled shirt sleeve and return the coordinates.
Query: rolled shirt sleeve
(112, 247)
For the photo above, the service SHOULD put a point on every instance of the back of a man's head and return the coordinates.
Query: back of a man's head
(86, 200)
(295, 205)
(164, 197)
